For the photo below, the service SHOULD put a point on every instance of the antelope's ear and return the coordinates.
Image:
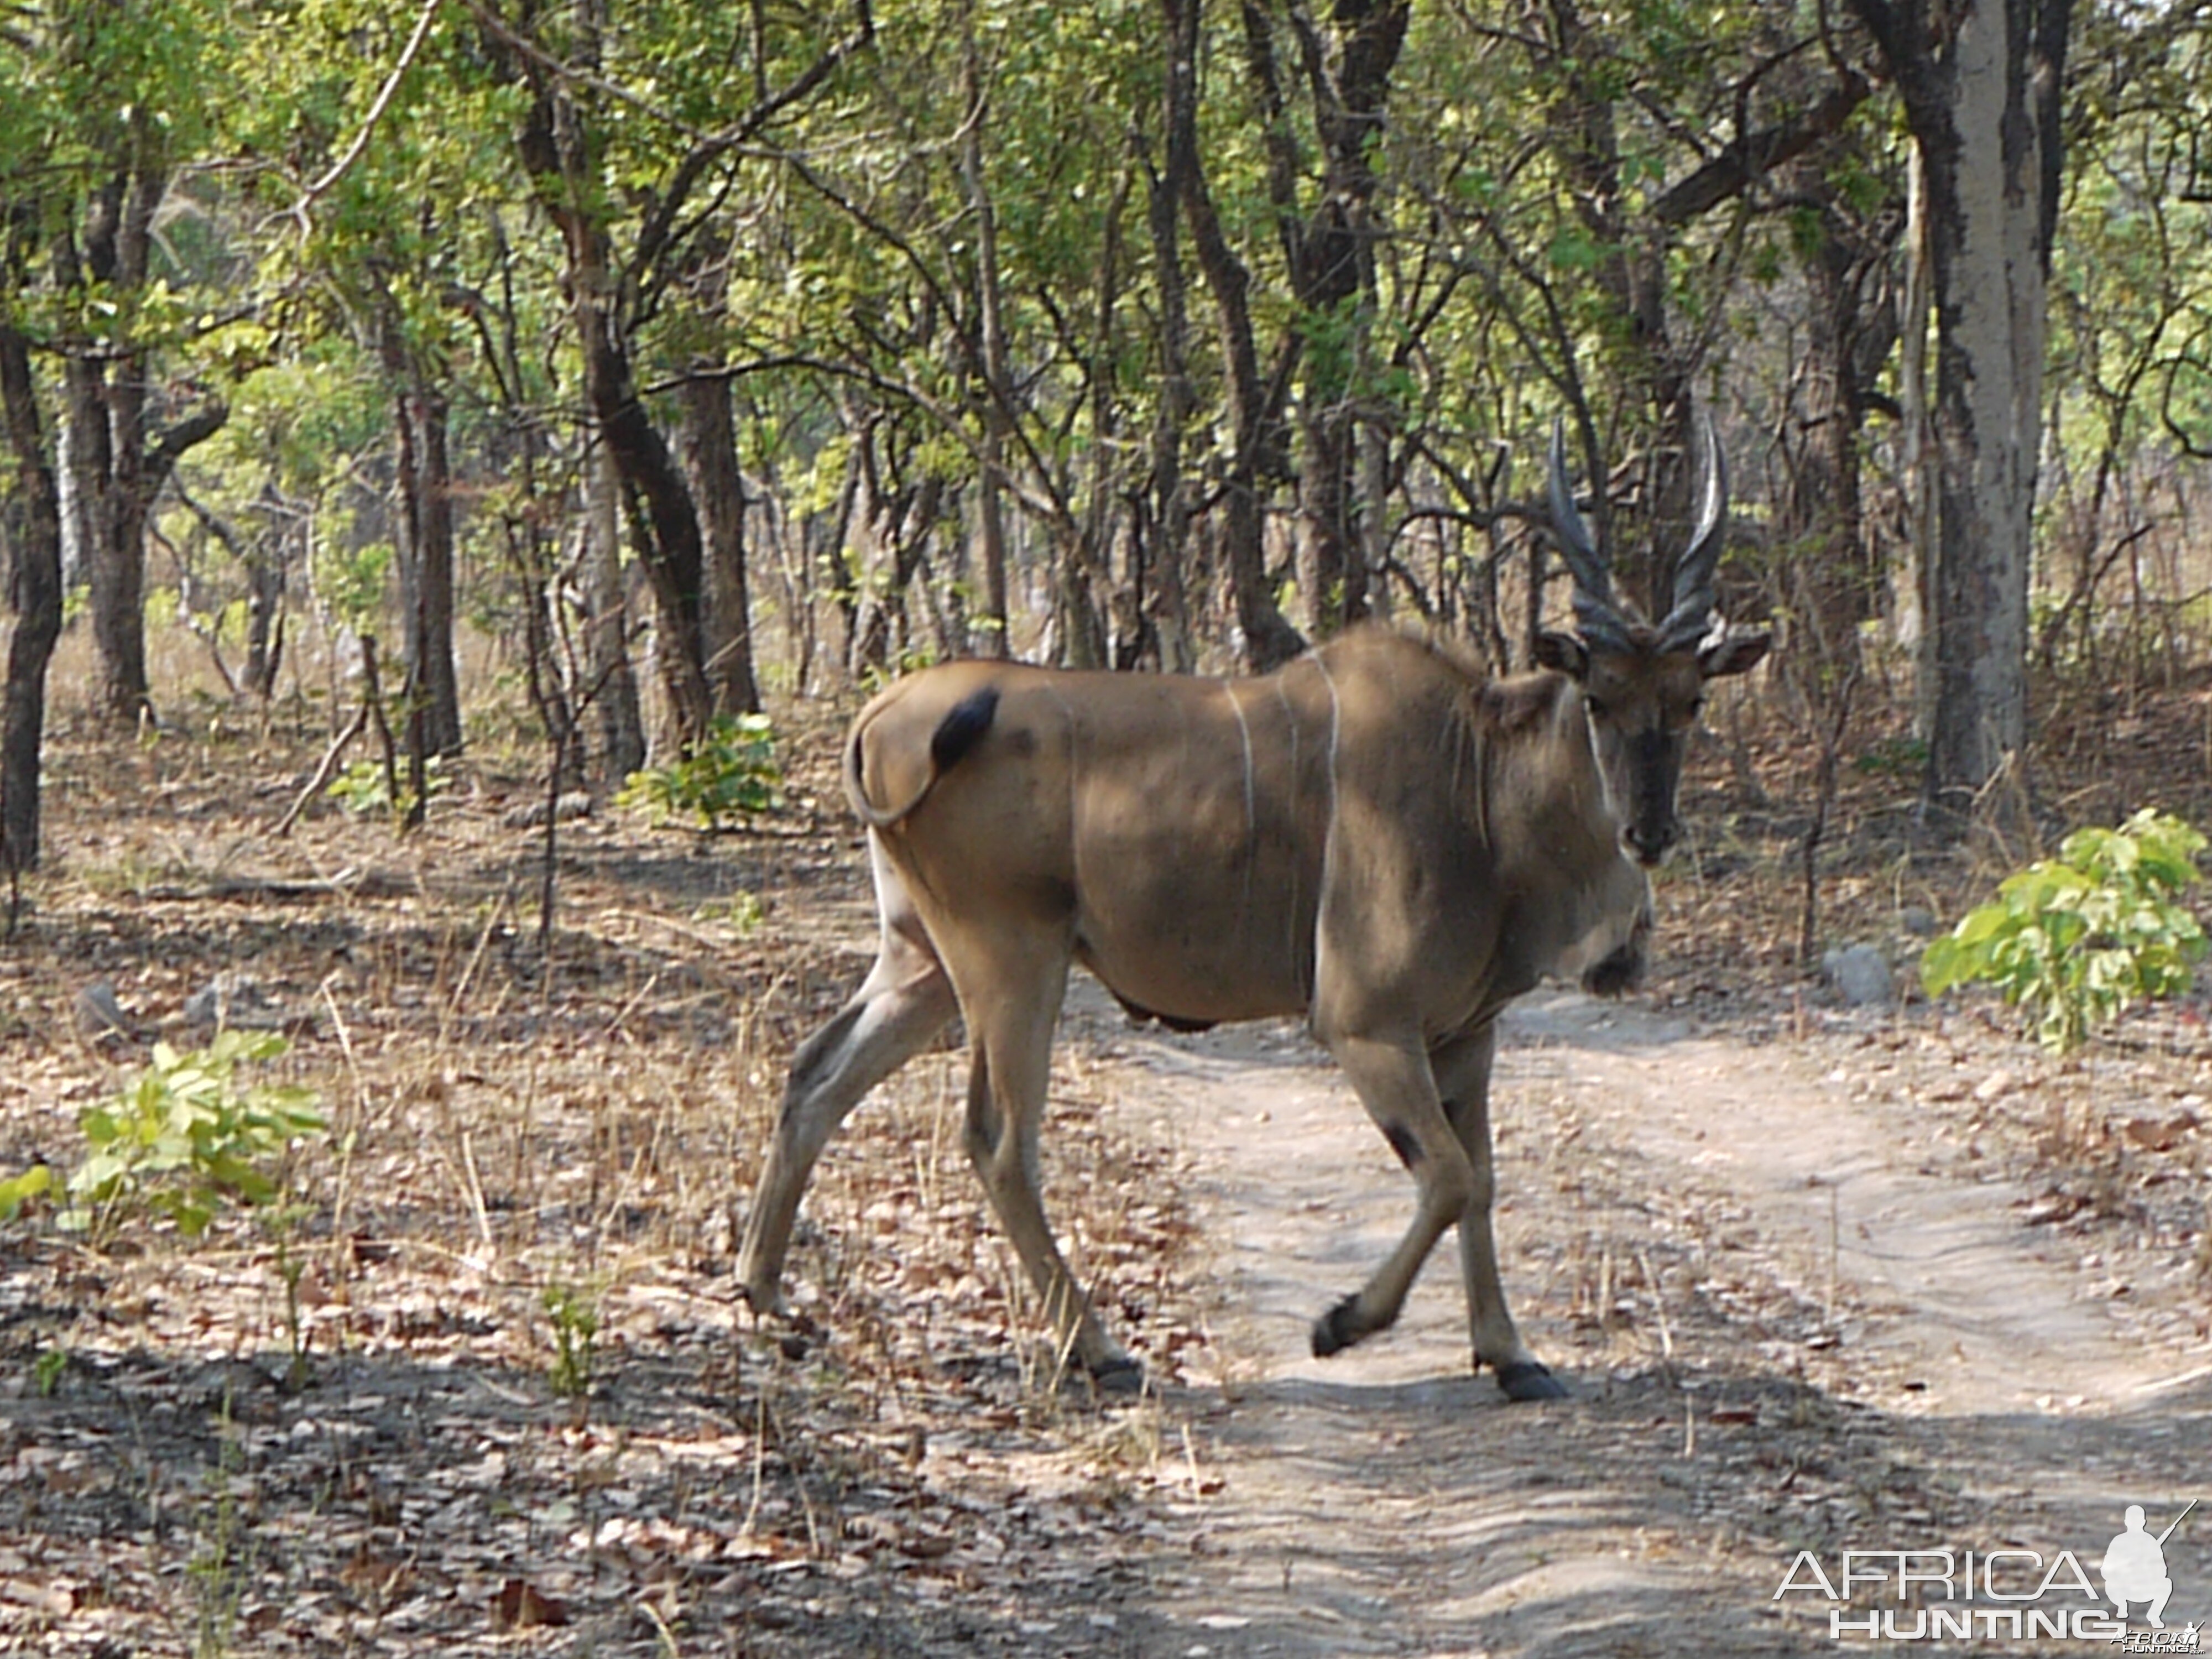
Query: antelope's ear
(1733, 652)
(1564, 653)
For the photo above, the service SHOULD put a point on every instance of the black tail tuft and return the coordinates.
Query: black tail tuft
(961, 730)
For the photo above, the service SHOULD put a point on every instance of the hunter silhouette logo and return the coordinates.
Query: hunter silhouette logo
(2135, 1567)
(2007, 1594)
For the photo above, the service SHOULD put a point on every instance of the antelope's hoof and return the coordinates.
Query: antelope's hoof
(1337, 1328)
(1120, 1376)
(766, 1303)
(1530, 1379)
(1621, 972)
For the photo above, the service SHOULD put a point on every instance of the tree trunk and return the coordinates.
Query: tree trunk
(710, 452)
(267, 562)
(613, 686)
(1917, 419)
(663, 517)
(1983, 106)
(118, 552)
(1265, 639)
(36, 598)
(1165, 558)
(426, 566)
(1332, 274)
(1821, 521)
(990, 319)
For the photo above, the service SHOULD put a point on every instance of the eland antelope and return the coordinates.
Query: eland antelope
(1376, 837)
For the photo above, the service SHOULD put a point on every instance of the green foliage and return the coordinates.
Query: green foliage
(732, 773)
(576, 1326)
(47, 1370)
(183, 1137)
(2075, 939)
(361, 788)
(1893, 757)
(18, 1190)
(351, 582)
(741, 912)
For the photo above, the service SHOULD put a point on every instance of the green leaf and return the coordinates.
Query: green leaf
(18, 1190)
(2076, 940)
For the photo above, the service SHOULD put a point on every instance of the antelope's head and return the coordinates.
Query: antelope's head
(1642, 685)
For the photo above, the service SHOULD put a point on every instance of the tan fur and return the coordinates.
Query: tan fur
(1374, 837)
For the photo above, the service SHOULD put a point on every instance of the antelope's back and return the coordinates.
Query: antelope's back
(1170, 831)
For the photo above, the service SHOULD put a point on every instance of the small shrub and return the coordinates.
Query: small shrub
(575, 1327)
(19, 1190)
(359, 788)
(741, 912)
(184, 1138)
(2073, 940)
(732, 773)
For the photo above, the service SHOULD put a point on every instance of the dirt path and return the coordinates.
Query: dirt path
(1791, 1320)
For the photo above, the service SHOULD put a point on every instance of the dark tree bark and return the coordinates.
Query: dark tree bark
(710, 453)
(1632, 247)
(664, 521)
(613, 685)
(1265, 638)
(1821, 522)
(1331, 258)
(120, 459)
(555, 146)
(1163, 558)
(1981, 89)
(267, 568)
(37, 599)
(426, 564)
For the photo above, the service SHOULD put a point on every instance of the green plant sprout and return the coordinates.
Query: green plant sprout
(2073, 940)
(184, 1138)
(575, 1325)
(732, 773)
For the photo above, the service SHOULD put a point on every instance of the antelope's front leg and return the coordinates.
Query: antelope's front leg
(1462, 1073)
(1399, 1092)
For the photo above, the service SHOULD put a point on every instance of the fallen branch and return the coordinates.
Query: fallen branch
(328, 765)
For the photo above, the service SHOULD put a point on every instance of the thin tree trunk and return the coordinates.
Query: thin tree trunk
(1167, 557)
(990, 483)
(613, 686)
(710, 449)
(663, 517)
(37, 597)
(425, 567)
(1266, 639)
(1983, 104)
(1348, 69)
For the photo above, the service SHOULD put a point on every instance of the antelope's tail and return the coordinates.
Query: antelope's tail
(959, 731)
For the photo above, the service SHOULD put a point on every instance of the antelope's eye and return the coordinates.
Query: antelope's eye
(1594, 709)
(1697, 707)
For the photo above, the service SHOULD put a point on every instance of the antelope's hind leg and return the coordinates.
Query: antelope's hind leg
(905, 1001)
(1462, 1073)
(1012, 989)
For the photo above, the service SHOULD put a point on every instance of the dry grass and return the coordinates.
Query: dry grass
(522, 1147)
(485, 1381)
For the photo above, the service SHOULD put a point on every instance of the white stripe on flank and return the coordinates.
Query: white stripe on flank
(1244, 734)
(1335, 722)
(1251, 805)
(1328, 839)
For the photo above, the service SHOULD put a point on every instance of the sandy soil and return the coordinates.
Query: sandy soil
(1795, 1314)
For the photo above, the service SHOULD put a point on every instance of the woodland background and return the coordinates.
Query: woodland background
(686, 355)
(540, 389)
